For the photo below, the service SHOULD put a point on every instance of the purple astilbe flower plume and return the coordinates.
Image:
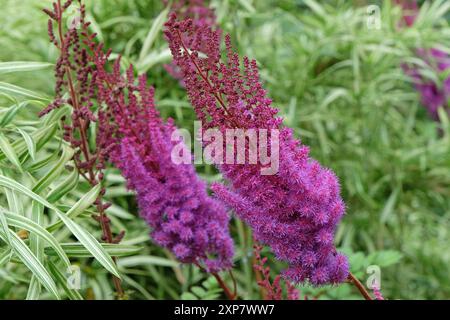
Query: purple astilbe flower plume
(203, 16)
(294, 211)
(433, 95)
(171, 198)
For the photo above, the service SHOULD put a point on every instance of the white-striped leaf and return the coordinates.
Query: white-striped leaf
(82, 235)
(31, 145)
(13, 89)
(79, 251)
(85, 202)
(19, 66)
(31, 262)
(22, 222)
(9, 152)
(62, 280)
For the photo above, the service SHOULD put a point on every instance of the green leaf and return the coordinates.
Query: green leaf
(54, 172)
(153, 32)
(43, 163)
(34, 289)
(385, 258)
(36, 245)
(9, 152)
(5, 256)
(64, 187)
(78, 251)
(10, 88)
(4, 226)
(62, 280)
(31, 145)
(82, 235)
(389, 206)
(92, 245)
(12, 111)
(31, 261)
(22, 222)
(19, 66)
(41, 136)
(188, 296)
(14, 202)
(146, 260)
(199, 291)
(85, 202)
(155, 57)
(247, 5)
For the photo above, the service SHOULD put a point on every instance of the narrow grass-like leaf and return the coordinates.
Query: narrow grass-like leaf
(41, 136)
(31, 145)
(42, 163)
(9, 152)
(36, 245)
(146, 260)
(153, 32)
(5, 256)
(55, 171)
(32, 262)
(62, 280)
(4, 226)
(389, 206)
(78, 251)
(12, 111)
(14, 203)
(64, 187)
(85, 202)
(13, 89)
(19, 66)
(34, 289)
(19, 221)
(92, 245)
(82, 235)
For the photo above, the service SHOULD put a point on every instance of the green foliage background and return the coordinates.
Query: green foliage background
(338, 83)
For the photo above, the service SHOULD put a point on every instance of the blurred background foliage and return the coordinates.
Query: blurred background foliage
(337, 82)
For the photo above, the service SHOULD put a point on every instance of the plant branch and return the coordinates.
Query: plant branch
(352, 279)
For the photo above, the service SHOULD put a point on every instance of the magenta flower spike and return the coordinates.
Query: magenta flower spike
(433, 95)
(171, 197)
(294, 211)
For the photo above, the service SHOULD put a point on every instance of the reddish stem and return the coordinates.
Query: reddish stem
(222, 284)
(359, 286)
(226, 290)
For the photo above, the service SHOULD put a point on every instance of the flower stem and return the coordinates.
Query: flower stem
(222, 284)
(359, 286)
(226, 290)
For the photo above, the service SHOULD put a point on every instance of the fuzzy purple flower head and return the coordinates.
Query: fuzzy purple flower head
(434, 95)
(294, 211)
(171, 197)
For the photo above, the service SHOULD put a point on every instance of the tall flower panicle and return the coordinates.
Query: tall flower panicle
(294, 211)
(171, 197)
(202, 15)
(434, 95)
(76, 75)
